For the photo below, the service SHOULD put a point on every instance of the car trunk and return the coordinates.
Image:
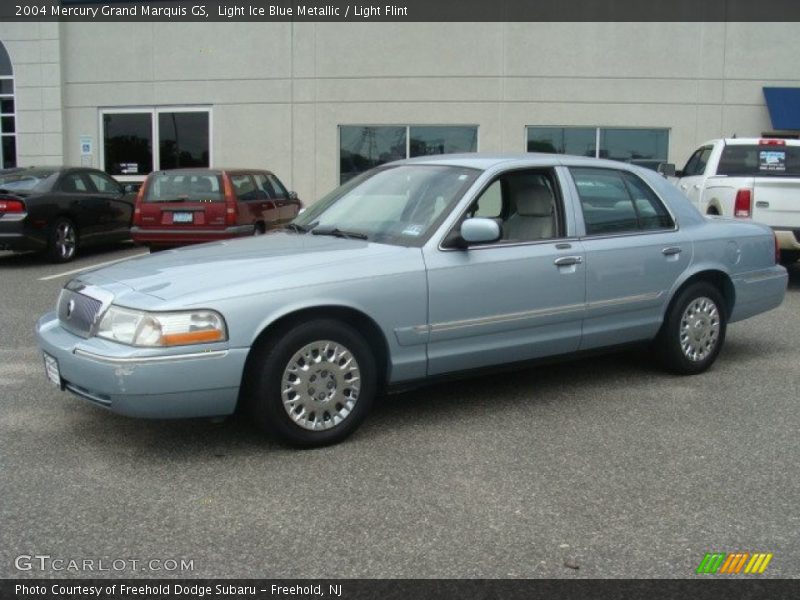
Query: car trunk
(184, 201)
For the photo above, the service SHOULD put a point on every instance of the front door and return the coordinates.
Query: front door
(516, 299)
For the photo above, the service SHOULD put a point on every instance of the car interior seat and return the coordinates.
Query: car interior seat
(534, 218)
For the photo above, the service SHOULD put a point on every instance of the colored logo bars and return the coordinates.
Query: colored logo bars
(734, 563)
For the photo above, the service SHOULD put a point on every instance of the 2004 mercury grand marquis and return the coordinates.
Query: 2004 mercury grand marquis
(412, 270)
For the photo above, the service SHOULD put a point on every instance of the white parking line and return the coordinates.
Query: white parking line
(102, 264)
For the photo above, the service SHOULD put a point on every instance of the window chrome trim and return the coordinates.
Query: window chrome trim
(149, 359)
(540, 312)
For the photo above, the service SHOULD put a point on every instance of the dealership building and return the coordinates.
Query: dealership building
(319, 102)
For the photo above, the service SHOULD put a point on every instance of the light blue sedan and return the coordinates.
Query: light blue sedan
(413, 270)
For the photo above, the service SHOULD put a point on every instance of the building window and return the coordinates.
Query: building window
(138, 141)
(642, 146)
(8, 124)
(364, 147)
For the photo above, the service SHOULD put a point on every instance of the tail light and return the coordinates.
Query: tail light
(137, 206)
(11, 206)
(231, 208)
(743, 206)
(777, 249)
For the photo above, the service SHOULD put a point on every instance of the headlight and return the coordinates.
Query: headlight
(139, 328)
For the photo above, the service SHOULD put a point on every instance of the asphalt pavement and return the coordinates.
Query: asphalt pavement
(602, 467)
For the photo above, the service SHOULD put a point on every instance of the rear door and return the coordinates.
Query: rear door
(116, 211)
(634, 254)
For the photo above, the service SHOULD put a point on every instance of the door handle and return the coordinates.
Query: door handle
(684, 186)
(696, 186)
(565, 261)
(671, 251)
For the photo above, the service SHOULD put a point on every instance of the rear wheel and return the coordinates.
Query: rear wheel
(314, 385)
(693, 331)
(62, 242)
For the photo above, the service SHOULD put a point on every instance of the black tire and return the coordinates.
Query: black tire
(268, 389)
(789, 257)
(62, 240)
(675, 348)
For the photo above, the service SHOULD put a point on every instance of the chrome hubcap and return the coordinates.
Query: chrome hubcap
(65, 240)
(699, 332)
(320, 385)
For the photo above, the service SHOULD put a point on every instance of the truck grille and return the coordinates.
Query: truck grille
(77, 312)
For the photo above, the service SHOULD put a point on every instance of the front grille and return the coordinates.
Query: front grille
(77, 312)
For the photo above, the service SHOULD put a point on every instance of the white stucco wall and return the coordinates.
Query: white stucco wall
(278, 91)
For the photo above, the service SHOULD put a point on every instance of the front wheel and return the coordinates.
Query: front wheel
(693, 331)
(314, 385)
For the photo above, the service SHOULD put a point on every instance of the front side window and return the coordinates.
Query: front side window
(525, 204)
(618, 202)
(363, 147)
(139, 141)
(395, 205)
(696, 165)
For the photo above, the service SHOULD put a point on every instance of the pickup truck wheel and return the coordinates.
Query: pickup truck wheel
(314, 385)
(789, 257)
(693, 331)
(62, 241)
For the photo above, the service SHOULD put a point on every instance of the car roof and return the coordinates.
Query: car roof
(212, 170)
(533, 159)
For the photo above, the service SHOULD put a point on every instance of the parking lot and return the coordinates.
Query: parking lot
(601, 467)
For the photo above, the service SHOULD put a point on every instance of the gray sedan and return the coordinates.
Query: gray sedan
(411, 271)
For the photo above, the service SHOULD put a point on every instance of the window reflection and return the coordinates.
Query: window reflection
(647, 147)
(128, 143)
(183, 139)
(442, 140)
(362, 148)
(579, 141)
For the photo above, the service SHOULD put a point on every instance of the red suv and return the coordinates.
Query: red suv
(189, 206)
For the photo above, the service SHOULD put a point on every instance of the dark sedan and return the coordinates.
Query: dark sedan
(57, 210)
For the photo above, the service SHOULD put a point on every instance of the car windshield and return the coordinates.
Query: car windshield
(394, 205)
(184, 187)
(24, 181)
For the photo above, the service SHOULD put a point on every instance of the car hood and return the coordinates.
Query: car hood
(234, 267)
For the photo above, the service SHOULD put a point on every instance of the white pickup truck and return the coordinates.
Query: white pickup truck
(748, 178)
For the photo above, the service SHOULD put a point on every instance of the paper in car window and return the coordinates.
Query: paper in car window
(772, 160)
(414, 230)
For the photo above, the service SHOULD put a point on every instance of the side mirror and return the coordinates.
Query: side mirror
(479, 230)
(130, 188)
(666, 169)
(292, 195)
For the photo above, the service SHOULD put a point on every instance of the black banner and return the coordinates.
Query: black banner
(702, 588)
(401, 10)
